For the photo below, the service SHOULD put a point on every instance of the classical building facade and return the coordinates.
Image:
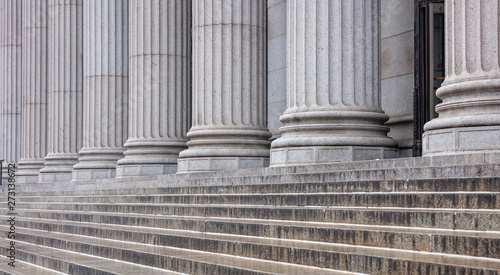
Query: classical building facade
(102, 89)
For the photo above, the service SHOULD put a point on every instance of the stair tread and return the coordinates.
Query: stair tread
(319, 207)
(93, 262)
(165, 189)
(428, 257)
(488, 170)
(303, 224)
(23, 268)
(388, 193)
(194, 255)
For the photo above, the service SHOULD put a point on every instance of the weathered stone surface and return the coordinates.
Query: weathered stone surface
(35, 88)
(10, 82)
(65, 105)
(105, 88)
(469, 116)
(333, 97)
(229, 87)
(160, 90)
(276, 64)
(301, 215)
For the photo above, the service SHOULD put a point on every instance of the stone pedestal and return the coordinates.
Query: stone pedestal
(105, 88)
(229, 87)
(160, 86)
(10, 82)
(65, 103)
(34, 101)
(469, 116)
(333, 75)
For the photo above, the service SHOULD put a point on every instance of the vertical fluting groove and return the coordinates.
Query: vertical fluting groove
(221, 71)
(105, 94)
(347, 51)
(333, 81)
(65, 124)
(10, 79)
(160, 59)
(472, 47)
(469, 92)
(34, 88)
(229, 73)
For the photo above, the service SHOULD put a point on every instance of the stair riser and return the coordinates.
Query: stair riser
(159, 261)
(471, 246)
(441, 185)
(458, 201)
(340, 261)
(467, 171)
(465, 221)
(55, 264)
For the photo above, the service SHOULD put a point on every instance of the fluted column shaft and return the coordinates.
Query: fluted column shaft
(160, 86)
(333, 76)
(34, 95)
(469, 116)
(229, 97)
(10, 81)
(105, 88)
(65, 89)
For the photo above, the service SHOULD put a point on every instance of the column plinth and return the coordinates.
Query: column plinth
(34, 118)
(469, 116)
(333, 85)
(105, 88)
(10, 82)
(160, 86)
(229, 88)
(65, 102)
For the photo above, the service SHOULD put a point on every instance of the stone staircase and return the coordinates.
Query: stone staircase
(434, 215)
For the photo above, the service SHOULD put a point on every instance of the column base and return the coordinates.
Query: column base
(5, 175)
(328, 154)
(51, 177)
(90, 174)
(206, 164)
(29, 170)
(132, 170)
(149, 157)
(97, 163)
(483, 139)
(58, 167)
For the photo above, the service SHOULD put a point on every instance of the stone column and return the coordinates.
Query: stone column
(160, 86)
(469, 116)
(34, 101)
(333, 75)
(65, 89)
(105, 88)
(10, 82)
(229, 101)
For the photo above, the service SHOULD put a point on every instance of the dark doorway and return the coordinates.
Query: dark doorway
(429, 65)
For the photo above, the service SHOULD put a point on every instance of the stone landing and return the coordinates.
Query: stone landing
(430, 215)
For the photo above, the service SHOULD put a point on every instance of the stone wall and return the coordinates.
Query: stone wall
(397, 70)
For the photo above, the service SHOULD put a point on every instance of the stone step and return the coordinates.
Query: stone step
(465, 219)
(341, 257)
(480, 160)
(158, 257)
(458, 200)
(419, 185)
(70, 262)
(465, 171)
(24, 268)
(471, 243)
